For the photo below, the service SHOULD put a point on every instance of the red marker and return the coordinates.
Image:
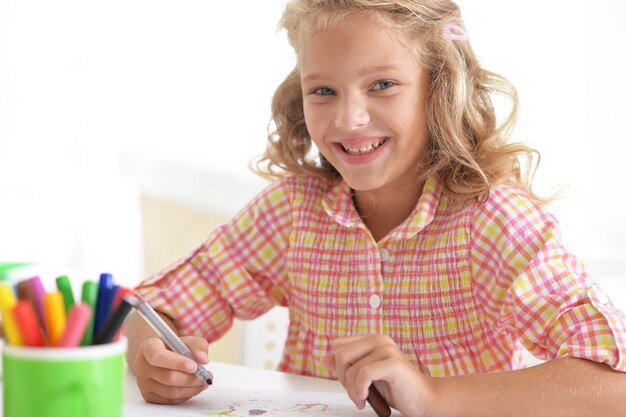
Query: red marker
(28, 324)
(77, 322)
(119, 295)
(123, 291)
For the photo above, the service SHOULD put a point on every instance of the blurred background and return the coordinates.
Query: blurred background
(126, 128)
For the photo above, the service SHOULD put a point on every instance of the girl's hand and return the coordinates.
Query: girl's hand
(360, 361)
(166, 377)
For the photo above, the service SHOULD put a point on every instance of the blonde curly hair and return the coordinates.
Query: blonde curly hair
(467, 148)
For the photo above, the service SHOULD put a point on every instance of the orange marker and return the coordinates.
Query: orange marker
(28, 324)
(54, 311)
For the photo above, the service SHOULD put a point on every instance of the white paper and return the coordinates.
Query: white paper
(241, 403)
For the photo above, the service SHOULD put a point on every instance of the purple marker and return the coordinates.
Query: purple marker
(38, 293)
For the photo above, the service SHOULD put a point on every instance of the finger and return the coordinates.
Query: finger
(395, 377)
(354, 347)
(199, 347)
(358, 377)
(154, 398)
(157, 355)
(348, 353)
(328, 361)
(170, 378)
(156, 393)
(177, 392)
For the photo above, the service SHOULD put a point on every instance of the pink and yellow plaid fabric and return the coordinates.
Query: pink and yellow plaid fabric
(460, 286)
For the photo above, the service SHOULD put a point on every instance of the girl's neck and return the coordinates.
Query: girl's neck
(384, 210)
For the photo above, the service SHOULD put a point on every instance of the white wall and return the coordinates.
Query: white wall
(568, 61)
(81, 82)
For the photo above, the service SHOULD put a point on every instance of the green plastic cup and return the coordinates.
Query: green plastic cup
(10, 271)
(85, 381)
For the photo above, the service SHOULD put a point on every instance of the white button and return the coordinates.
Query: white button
(384, 255)
(374, 301)
(602, 297)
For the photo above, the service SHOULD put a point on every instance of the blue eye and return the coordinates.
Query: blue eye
(382, 85)
(324, 91)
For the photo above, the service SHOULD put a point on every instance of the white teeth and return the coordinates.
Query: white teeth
(362, 150)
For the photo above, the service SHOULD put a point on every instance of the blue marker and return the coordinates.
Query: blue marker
(102, 303)
(109, 301)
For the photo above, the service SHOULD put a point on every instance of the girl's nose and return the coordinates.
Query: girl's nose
(352, 112)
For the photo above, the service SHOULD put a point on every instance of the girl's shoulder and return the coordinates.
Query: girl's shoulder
(511, 205)
(507, 196)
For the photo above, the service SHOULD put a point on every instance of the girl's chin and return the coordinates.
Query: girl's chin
(362, 184)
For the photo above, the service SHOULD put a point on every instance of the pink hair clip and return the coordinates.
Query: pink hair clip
(454, 32)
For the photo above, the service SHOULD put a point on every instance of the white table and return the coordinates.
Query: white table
(227, 376)
(241, 391)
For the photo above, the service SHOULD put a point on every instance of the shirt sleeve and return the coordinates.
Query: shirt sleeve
(238, 272)
(529, 284)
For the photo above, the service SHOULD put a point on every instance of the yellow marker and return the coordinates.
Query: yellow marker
(54, 311)
(9, 325)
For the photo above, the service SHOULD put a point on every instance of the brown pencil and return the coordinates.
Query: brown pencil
(378, 403)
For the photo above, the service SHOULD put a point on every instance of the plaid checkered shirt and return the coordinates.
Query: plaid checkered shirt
(461, 286)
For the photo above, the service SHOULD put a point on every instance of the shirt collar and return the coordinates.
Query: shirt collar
(339, 206)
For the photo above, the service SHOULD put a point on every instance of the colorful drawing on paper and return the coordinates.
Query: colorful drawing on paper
(240, 403)
(270, 404)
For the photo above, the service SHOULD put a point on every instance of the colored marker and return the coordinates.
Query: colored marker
(89, 296)
(112, 293)
(38, 294)
(28, 324)
(114, 322)
(123, 292)
(77, 322)
(21, 289)
(54, 313)
(25, 291)
(167, 335)
(63, 285)
(103, 304)
(9, 325)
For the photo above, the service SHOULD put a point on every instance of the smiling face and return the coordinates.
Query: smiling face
(364, 96)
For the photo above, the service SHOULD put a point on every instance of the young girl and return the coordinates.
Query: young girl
(410, 250)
